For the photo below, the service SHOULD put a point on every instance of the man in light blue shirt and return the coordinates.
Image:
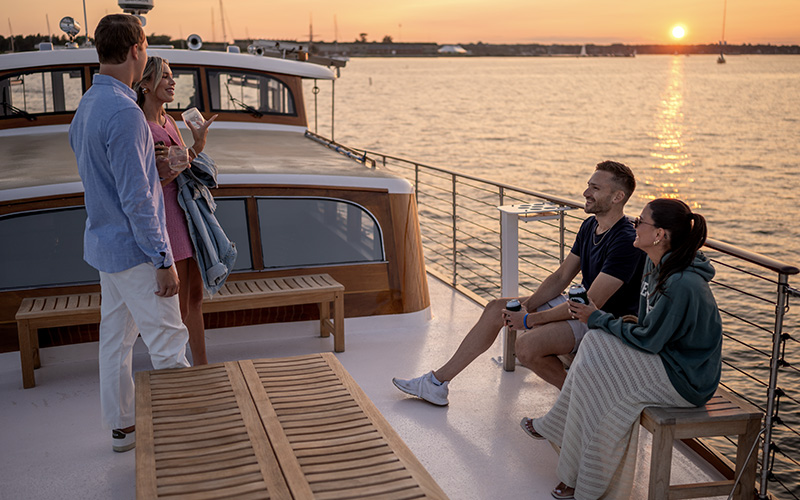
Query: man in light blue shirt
(126, 235)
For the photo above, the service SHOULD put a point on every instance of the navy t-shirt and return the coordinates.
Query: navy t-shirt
(612, 253)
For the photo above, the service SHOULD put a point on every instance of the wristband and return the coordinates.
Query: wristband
(525, 321)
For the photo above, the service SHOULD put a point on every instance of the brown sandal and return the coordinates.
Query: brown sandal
(527, 426)
(562, 491)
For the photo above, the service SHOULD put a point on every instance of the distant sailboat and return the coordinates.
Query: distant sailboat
(721, 58)
(583, 52)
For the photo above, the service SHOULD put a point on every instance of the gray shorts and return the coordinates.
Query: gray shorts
(578, 329)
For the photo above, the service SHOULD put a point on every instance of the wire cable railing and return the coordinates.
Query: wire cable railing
(461, 246)
(752, 291)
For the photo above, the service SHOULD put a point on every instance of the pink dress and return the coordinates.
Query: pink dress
(177, 230)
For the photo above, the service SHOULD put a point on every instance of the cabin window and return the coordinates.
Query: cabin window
(44, 248)
(232, 216)
(187, 90)
(249, 93)
(39, 92)
(300, 232)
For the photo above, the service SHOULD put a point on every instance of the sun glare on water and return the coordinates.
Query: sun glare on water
(678, 32)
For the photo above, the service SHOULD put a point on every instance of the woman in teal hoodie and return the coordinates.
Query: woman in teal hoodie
(671, 356)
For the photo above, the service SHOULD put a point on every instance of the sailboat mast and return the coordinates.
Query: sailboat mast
(721, 58)
(222, 21)
(724, 13)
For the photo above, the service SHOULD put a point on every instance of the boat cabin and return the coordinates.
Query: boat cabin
(289, 203)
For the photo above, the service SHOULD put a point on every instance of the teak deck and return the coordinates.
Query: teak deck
(296, 427)
(80, 309)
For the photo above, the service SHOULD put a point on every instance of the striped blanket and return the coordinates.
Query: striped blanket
(595, 418)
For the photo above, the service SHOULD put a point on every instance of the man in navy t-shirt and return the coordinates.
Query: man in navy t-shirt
(611, 270)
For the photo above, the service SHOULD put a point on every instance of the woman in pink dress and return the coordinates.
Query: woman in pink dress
(157, 88)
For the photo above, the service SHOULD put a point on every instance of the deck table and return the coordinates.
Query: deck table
(297, 427)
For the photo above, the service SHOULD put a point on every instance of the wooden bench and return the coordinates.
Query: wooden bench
(723, 415)
(79, 309)
(296, 427)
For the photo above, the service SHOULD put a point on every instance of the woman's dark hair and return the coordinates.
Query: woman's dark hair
(687, 233)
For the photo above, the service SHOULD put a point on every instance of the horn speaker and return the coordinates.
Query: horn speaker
(194, 42)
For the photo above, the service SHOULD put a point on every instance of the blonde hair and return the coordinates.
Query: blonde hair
(153, 71)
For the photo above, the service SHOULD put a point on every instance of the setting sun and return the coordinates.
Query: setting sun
(678, 32)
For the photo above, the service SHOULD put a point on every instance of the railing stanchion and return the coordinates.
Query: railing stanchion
(416, 182)
(333, 120)
(455, 223)
(315, 91)
(777, 339)
(561, 231)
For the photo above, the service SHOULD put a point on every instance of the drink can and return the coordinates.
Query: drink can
(577, 293)
(513, 305)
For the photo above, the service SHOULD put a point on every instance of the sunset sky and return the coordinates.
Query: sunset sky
(440, 21)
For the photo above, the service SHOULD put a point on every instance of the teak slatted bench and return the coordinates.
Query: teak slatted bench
(296, 427)
(79, 309)
(723, 415)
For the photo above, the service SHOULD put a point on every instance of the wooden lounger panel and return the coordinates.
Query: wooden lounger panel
(337, 445)
(230, 458)
(287, 428)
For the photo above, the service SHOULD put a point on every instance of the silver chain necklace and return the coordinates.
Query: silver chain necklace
(595, 241)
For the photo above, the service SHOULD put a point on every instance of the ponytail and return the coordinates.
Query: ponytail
(687, 234)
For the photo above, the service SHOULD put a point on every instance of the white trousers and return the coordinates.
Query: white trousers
(130, 307)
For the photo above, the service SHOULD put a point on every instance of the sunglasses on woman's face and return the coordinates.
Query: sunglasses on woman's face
(638, 220)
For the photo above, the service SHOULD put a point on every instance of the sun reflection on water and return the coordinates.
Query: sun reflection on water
(671, 166)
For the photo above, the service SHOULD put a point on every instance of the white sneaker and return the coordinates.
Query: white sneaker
(424, 388)
(122, 441)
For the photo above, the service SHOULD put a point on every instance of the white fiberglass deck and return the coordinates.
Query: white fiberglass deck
(53, 445)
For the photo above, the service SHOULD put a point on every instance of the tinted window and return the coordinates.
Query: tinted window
(249, 92)
(187, 90)
(232, 216)
(44, 248)
(298, 232)
(41, 92)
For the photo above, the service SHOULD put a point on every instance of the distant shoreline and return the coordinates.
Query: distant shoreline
(479, 49)
(376, 49)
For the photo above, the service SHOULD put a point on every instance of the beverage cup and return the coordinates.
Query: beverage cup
(193, 116)
(178, 158)
(513, 305)
(577, 293)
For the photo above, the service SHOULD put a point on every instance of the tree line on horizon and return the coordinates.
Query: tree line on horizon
(25, 43)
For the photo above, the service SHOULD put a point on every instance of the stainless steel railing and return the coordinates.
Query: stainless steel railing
(460, 225)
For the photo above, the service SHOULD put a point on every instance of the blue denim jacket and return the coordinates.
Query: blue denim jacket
(214, 252)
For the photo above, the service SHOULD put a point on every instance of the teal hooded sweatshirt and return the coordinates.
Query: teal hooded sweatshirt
(681, 325)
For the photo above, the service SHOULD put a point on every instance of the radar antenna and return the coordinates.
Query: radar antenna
(137, 8)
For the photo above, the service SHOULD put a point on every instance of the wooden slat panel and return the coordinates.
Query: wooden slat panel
(203, 437)
(216, 432)
(289, 465)
(145, 454)
(330, 431)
